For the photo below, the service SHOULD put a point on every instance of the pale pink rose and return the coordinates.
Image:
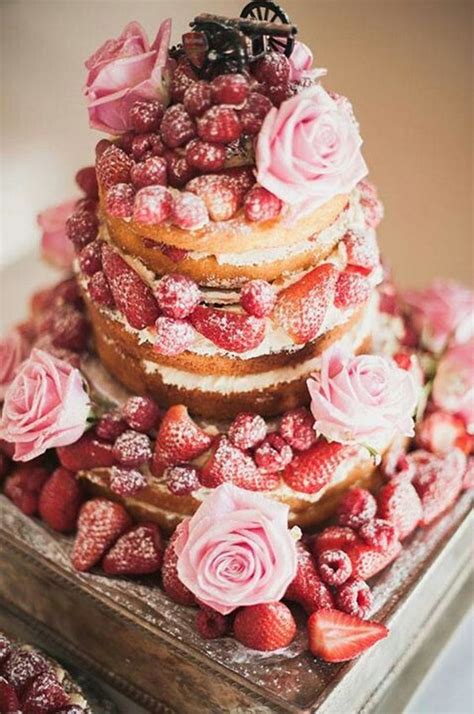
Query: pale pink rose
(123, 71)
(453, 386)
(236, 550)
(367, 399)
(45, 406)
(56, 247)
(13, 350)
(301, 61)
(309, 149)
(442, 313)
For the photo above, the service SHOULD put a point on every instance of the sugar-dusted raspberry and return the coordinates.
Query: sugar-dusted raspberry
(150, 172)
(67, 292)
(205, 156)
(132, 449)
(273, 69)
(179, 171)
(81, 228)
(379, 533)
(153, 205)
(297, 428)
(335, 567)
(254, 112)
(172, 336)
(146, 115)
(219, 124)
(127, 482)
(280, 93)
(229, 89)
(356, 507)
(219, 194)
(261, 205)
(90, 205)
(258, 298)
(177, 127)
(99, 290)
(90, 258)
(197, 98)
(189, 211)
(355, 597)
(240, 179)
(69, 329)
(113, 166)
(101, 146)
(273, 454)
(111, 425)
(86, 179)
(247, 430)
(119, 200)
(211, 625)
(144, 146)
(177, 295)
(141, 413)
(182, 480)
(183, 77)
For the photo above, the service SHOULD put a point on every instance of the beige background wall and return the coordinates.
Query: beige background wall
(406, 64)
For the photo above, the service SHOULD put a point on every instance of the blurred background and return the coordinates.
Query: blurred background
(405, 64)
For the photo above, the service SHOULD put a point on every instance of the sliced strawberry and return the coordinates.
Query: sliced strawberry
(438, 482)
(169, 573)
(9, 701)
(367, 560)
(337, 637)
(307, 588)
(362, 250)
(301, 308)
(60, 500)
(179, 440)
(139, 551)
(45, 694)
(23, 487)
(352, 288)
(99, 525)
(313, 469)
(228, 463)
(266, 627)
(232, 331)
(399, 504)
(87, 453)
(132, 297)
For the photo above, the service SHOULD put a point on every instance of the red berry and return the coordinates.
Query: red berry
(127, 482)
(227, 463)
(141, 413)
(23, 487)
(378, 533)
(179, 171)
(273, 69)
(400, 505)
(101, 146)
(204, 156)
(297, 428)
(119, 200)
(90, 258)
(189, 212)
(146, 115)
(229, 89)
(183, 77)
(258, 298)
(86, 179)
(81, 228)
(132, 448)
(247, 430)
(182, 480)
(177, 127)
(335, 636)
(179, 440)
(438, 432)
(265, 627)
(261, 205)
(372, 207)
(60, 500)
(335, 567)
(273, 454)
(240, 179)
(313, 469)
(172, 337)
(152, 205)
(172, 585)
(438, 481)
(253, 113)
(355, 597)
(139, 551)
(229, 330)
(211, 625)
(219, 194)
(9, 701)
(151, 172)
(352, 288)
(87, 453)
(307, 588)
(69, 329)
(177, 295)
(356, 507)
(99, 290)
(197, 98)
(147, 145)
(110, 426)
(5, 648)
(125, 141)
(280, 93)
(113, 166)
(22, 667)
(99, 525)
(220, 125)
(362, 249)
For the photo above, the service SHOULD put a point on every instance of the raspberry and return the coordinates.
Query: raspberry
(273, 69)
(172, 336)
(101, 146)
(280, 93)
(182, 480)
(261, 205)
(179, 171)
(99, 290)
(258, 298)
(177, 295)
(378, 533)
(356, 507)
(151, 172)
(125, 142)
(219, 124)
(355, 597)
(177, 127)
(335, 567)
(211, 625)
(69, 329)
(141, 413)
(254, 112)
(229, 463)
(90, 205)
(81, 228)
(132, 449)
(297, 428)
(119, 200)
(205, 156)
(67, 293)
(90, 258)
(189, 212)
(372, 207)
(273, 454)
(110, 426)
(247, 430)
(127, 482)
(146, 116)
(147, 145)
(113, 166)
(218, 193)
(153, 205)
(87, 182)
(240, 179)
(197, 98)
(183, 78)
(229, 89)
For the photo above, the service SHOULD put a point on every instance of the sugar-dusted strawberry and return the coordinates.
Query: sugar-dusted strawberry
(132, 296)
(297, 428)
(211, 624)
(362, 249)
(273, 69)
(368, 560)
(113, 166)
(90, 258)
(99, 290)
(253, 112)
(247, 430)
(100, 524)
(438, 432)
(311, 470)
(438, 482)
(232, 331)
(334, 538)
(9, 701)
(371, 205)
(400, 504)
(60, 500)
(139, 551)
(22, 667)
(169, 573)
(183, 77)
(87, 453)
(357, 506)
(352, 288)
(307, 588)
(69, 329)
(258, 298)
(81, 228)
(23, 487)
(266, 627)
(179, 439)
(219, 195)
(301, 307)
(227, 463)
(45, 694)
(355, 597)
(337, 637)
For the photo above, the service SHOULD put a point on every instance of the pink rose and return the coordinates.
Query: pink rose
(236, 550)
(442, 313)
(301, 61)
(366, 399)
(13, 350)
(309, 149)
(453, 386)
(56, 247)
(45, 406)
(122, 71)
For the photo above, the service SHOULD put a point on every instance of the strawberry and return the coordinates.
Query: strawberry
(99, 525)
(438, 482)
(228, 463)
(266, 627)
(169, 572)
(357, 506)
(60, 500)
(399, 504)
(362, 249)
(301, 307)
(87, 453)
(139, 551)
(367, 560)
(337, 637)
(23, 487)
(179, 439)
(9, 701)
(231, 331)
(439, 432)
(352, 288)
(22, 667)
(333, 538)
(307, 588)
(172, 337)
(311, 470)
(258, 298)
(219, 194)
(131, 295)
(44, 694)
